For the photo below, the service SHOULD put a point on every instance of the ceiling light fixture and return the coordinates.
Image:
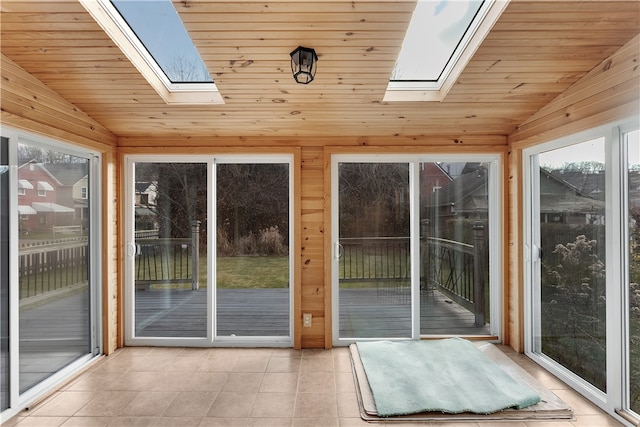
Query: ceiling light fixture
(303, 64)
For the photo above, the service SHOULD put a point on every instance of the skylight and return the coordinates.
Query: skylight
(155, 40)
(441, 38)
(158, 26)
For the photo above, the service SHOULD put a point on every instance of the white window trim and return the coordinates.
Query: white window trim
(437, 91)
(18, 401)
(119, 31)
(495, 232)
(211, 340)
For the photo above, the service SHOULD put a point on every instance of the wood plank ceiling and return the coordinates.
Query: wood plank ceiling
(536, 50)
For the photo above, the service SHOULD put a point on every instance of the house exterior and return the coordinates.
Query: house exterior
(39, 199)
(546, 74)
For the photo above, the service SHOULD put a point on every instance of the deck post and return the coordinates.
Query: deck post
(195, 254)
(478, 273)
(425, 224)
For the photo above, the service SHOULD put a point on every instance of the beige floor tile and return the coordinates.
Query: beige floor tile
(42, 421)
(316, 364)
(273, 405)
(224, 422)
(132, 422)
(232, 405)
(96, 381)
(178, 421)
(269, 422)
(345, 382)
(353, 422)
(347, 405)
(186, 364)
(135, 381)
(286, 352)
(171, 381)
(315, 422)
(87, 422)
(284, 364)
(217, 362)
(243, 382)
(151, 363)
(107, 404)
(149, 403)
(241, 387)
(63, 404)
(251, 364)
(316, 381)
(315, 405)
(207, 381)
(191, 404)
(279, 382)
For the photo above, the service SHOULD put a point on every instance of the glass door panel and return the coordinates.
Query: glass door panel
(4, 275)
(633, 179)
(374, 265)
(571, 326)
(170, 261)
(252, 250)
(454, 256)
(53, 262)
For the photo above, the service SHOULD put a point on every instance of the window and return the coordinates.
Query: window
(83, 192)
(154, 39)
(406, 232)
(441, 38)
(209, 254)
(582, 324)
(50, 285)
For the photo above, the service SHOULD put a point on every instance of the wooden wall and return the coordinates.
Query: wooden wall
(31, 106)
(609, 92)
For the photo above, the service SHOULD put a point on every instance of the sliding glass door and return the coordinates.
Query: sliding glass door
(412, 239)
(373, 248)
(49, 267)
(572, 292)
(631, 150)
(582, 210)
(169, 265)
(252, 261)
(209, 258)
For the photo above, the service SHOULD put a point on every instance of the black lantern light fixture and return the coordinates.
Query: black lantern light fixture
(303, 64)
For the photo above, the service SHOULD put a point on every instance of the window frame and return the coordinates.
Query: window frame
(110, 20)
(615, 400)
(496, 161)
(291, 158)
(18, 401)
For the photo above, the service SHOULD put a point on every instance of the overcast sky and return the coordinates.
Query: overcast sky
(589, 151)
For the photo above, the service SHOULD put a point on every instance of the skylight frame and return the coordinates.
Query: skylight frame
(436, 90)
(108, 17)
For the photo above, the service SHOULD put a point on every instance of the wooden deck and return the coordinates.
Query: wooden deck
(364, 313)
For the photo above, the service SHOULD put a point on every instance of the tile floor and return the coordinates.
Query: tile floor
(239, 387)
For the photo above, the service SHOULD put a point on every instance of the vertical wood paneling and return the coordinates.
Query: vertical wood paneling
(313, 286)
(560, 118)
(112, 301)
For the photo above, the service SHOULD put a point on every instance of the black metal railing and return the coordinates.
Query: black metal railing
(168, 260)
(52, 268)
(454, 268)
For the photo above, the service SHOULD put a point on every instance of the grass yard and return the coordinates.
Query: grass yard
(252, 272)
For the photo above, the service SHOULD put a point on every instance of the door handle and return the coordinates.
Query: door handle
(339, 250)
